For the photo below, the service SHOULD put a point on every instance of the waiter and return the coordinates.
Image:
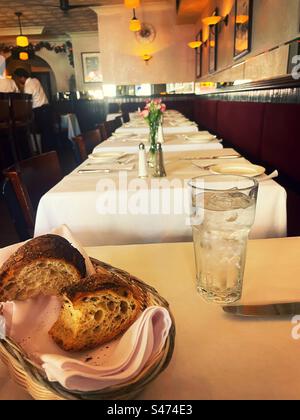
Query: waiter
(40, 105)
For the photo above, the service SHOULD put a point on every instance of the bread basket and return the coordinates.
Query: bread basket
(33, 379)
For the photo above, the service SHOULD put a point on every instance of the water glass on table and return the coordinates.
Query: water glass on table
(223, 212)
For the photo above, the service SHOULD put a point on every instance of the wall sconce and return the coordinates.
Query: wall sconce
(135, 24)
(195, 44)
(242, 19)
(147, 58)
(215, 19)
(22, 41)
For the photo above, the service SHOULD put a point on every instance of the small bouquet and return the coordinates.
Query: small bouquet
(153, 113)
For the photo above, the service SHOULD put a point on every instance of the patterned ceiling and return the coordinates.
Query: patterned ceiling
(55, 22)
(38, 13)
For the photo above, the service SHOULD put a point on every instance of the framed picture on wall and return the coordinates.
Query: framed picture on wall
(91, 67)
(213, 47)
(198, 54)
(243, 27)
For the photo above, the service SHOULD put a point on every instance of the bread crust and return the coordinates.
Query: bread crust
(102, 281)
(78, 295)
(46, 247)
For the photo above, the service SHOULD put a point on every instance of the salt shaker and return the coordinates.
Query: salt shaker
(159, 170)
(143, 166)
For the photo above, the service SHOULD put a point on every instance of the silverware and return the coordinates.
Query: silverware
(94, 171)
(212, 157)
(278, 309)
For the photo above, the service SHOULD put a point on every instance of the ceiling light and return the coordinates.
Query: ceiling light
(135, 24)
(22, 41)
(132, 4)
(23, 56)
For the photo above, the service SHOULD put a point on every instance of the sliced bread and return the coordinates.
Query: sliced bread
(96, 311)
(44, 265)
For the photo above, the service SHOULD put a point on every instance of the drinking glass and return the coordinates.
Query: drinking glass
(223, 212)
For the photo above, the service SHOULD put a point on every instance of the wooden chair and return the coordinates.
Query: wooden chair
(125, 117)
(6, 128)
(29, 180)
(103, 131)
(85, 144)
(22, 119)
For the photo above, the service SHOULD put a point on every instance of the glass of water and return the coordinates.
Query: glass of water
(223, 212)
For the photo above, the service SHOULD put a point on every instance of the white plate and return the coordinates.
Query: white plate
(200, 138)
(105, 157)
(236, 168)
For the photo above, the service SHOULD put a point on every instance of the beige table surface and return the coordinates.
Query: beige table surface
(217, 356)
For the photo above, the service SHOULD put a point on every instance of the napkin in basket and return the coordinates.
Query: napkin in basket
(28, 323)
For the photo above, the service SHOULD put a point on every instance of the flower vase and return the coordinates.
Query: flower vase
(153, 126)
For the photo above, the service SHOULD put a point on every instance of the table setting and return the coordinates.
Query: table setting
(120, 368)
(213, 361)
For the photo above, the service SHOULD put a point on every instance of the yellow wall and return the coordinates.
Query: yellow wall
(275, 22)
(121, 53)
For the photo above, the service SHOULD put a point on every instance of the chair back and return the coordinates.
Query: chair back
(103, 131)
(118, 122)
(125, 117)
(21, 110)
(31, 179)
(4, 111)
(15, 211)
(86, 143)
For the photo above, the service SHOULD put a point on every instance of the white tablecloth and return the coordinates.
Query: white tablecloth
(216, 356)
(70, 123)
(174, 123)
(173, 143)
(111, 117)
(118, 208)
(168, 129)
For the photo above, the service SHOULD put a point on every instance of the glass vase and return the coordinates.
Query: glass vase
(153, 133)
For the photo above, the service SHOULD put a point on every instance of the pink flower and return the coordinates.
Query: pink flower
(145, 113)
(163, 107)
(148, 106)
(157, 101)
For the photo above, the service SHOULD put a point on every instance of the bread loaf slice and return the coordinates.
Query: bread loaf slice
(43, 265)
(96, 311)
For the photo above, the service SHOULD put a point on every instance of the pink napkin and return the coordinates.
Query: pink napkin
(28, 323)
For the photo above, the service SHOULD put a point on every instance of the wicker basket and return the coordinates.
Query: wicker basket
(33, 379)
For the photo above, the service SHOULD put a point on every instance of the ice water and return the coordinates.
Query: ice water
(220, 241)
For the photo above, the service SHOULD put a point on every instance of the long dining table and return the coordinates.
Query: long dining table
(217, 356)
(107, 204)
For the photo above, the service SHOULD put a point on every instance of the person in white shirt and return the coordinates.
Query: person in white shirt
(8, 85)
(41, 107)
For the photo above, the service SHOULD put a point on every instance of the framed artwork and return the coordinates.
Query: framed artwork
(198, 53)
(213, 47)
(91, 67)
(243, 27)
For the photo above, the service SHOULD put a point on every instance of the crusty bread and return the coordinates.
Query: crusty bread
(43, 265)
(96, 311)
